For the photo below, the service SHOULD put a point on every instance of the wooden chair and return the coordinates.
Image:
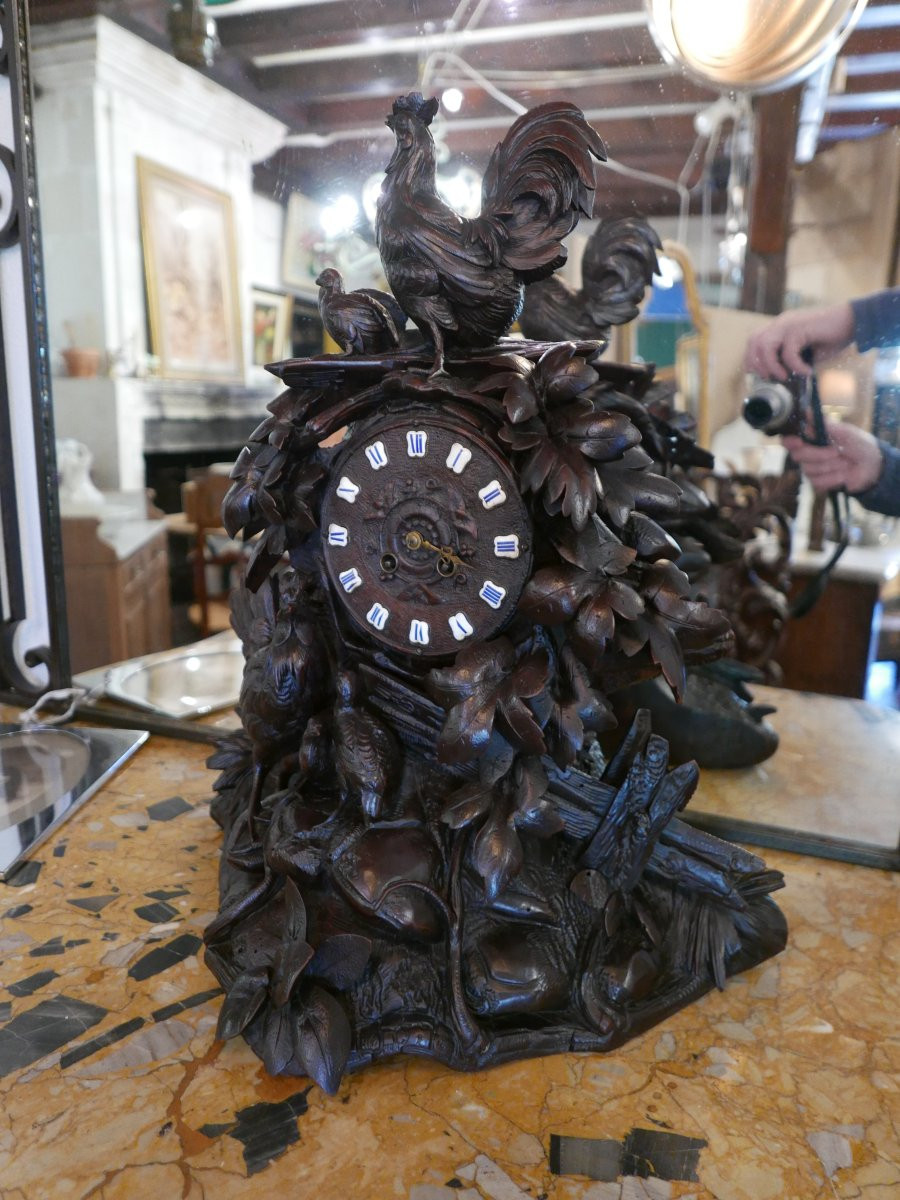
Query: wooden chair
(201, 500)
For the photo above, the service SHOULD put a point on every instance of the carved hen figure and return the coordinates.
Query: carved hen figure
(462, 280)
(362, 322)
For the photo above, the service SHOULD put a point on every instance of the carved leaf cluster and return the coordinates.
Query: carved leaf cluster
(276, 484)
(488, 686)
(302, 1017)
(574, 448)
(501, 807)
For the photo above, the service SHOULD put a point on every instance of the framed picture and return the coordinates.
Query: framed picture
(301, 250)
(190, 263)
(271, 326)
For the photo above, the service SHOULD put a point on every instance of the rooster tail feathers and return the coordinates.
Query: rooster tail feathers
(618, 264)
(539, 180)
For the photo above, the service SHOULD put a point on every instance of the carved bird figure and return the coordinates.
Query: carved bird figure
(286, 681)
(461, 280)
(362, 322)
(367, 756)
(618, 263)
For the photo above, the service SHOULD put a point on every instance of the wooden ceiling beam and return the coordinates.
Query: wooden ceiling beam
(279, 29)
(873, 41)
(563, 54)
(351, 113)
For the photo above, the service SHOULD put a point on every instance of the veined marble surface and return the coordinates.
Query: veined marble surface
(786, 1085)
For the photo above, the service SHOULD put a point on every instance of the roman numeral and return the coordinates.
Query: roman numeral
(458, 458)
(492, 494)
(350, 580)
(416, 442)
(492, 593)
(460, 626)
(506, 545)
(378, 615)
(418, 632)
(337, 535)
(377, 455)
(348, 490)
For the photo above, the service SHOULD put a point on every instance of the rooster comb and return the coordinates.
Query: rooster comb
(417, 106)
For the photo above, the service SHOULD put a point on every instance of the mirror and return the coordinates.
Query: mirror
(268, 136)
(672, 331)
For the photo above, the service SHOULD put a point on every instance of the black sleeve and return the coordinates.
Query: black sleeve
(884, 496)
(877, 319)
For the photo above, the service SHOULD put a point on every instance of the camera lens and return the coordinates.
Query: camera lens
(769, 407)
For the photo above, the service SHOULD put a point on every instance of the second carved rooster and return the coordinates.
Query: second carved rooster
(461, 280)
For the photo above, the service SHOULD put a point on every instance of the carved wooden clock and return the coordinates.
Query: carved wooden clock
(426, 538)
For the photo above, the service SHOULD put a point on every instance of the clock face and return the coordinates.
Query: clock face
(426, 538)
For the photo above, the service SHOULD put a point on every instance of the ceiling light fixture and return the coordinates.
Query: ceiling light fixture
(751, 45)
(452, 99)
(340, 216)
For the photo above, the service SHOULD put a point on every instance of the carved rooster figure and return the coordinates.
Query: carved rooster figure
(618, 263)
(462, 280)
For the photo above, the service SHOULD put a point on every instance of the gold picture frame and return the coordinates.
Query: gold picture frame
(190, 266)
(270, 325)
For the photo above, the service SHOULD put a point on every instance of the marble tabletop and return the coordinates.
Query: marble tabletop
(784, 1085)
(835, 775)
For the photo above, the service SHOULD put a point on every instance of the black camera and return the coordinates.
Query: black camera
(776, 408)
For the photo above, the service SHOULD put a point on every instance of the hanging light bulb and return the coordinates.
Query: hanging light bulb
(195, 39)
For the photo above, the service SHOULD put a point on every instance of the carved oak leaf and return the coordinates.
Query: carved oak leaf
(322, 1039)
(244, 1000)
(240, 508)
(671, 623)
(497, 854)
(649, 540)
(233, 756)
(531, 808)
(294, 953)
(278, 1039)
(488, 683)
(569, 708)
(341, 959)
(288, 497)
(464, 806)
(583, 589)
(520, 803)
(287, 415)
(629, 484)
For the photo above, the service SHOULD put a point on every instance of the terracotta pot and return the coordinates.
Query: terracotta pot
(81, 363)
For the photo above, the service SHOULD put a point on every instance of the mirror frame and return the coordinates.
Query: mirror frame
(33, 630)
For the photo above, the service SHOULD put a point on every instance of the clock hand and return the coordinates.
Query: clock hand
(414, 541)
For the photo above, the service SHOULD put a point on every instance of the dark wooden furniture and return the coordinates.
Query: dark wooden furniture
(201, 500)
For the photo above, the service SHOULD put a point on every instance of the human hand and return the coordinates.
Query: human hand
(775, 350)
(852, 460)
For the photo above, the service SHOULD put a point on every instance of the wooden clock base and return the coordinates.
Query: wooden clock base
(459, 856)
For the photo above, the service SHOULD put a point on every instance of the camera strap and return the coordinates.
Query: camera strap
(840, 511)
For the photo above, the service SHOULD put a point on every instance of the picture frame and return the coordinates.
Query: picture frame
(301, 249)
(270, 325)
(190, 267)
